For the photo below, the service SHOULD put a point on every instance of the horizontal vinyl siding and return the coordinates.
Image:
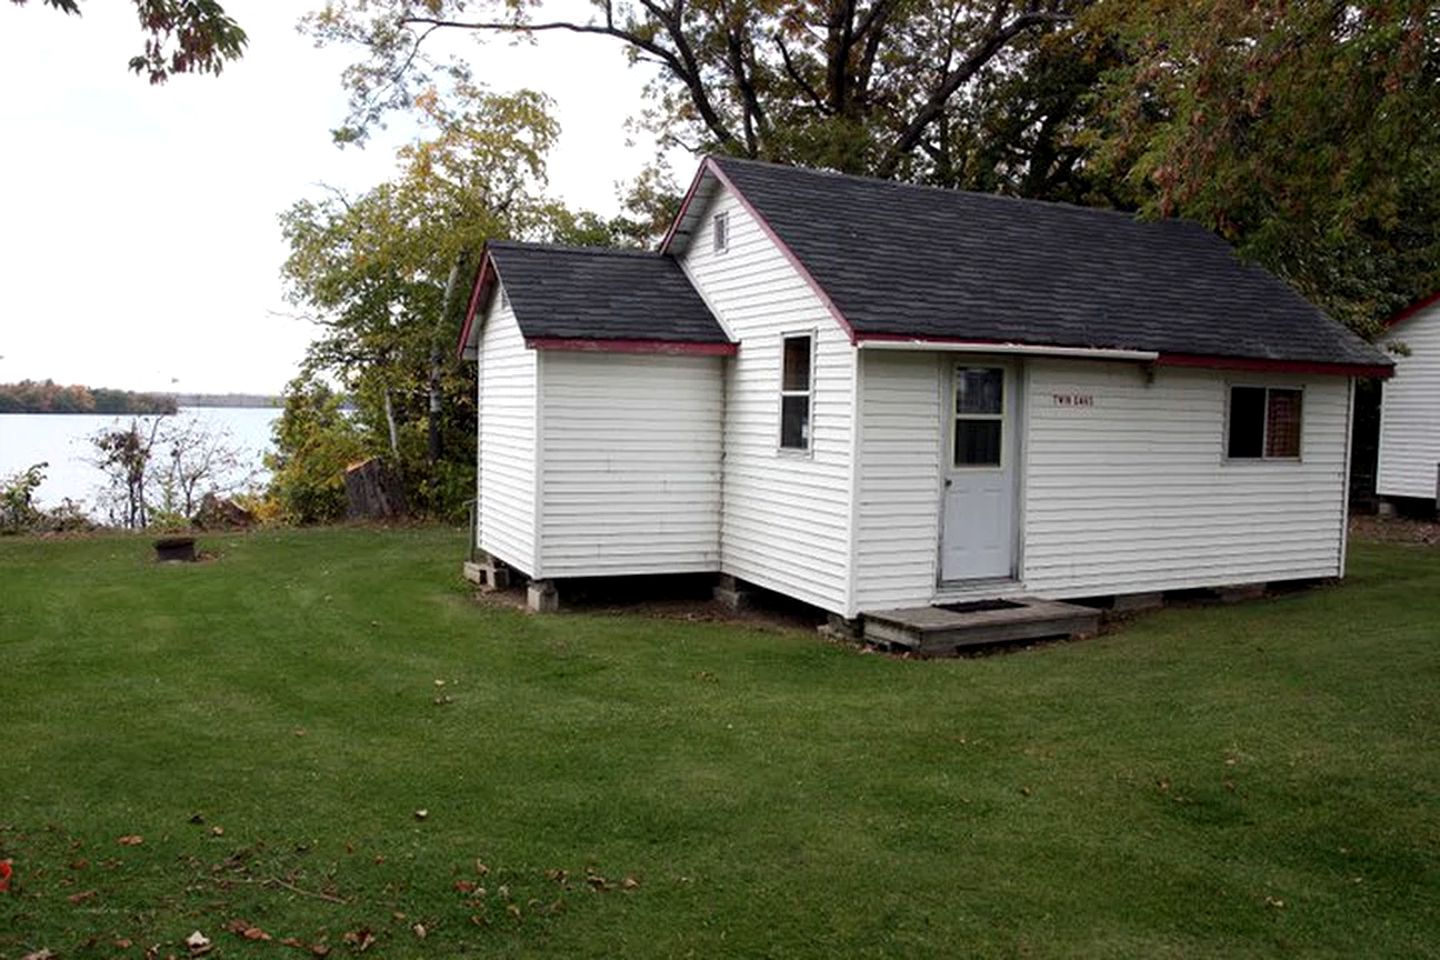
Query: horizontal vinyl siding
(786, 518)
(1410, 413)
(507, 441)
(1132, 494)
(898, 515)
(631, 464)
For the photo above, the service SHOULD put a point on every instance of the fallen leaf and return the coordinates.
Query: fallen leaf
(131, 840)
(217, 831)
(79, 864)
(246, 930)
(320, 949)
(439, 683)
(419, 931)
(559, 876)
(465, 886)
(198, 944)
(361, 939)
(1275, 902)
(83, 896)
(421, 814)
(629, 883)
(44, 953)
(514, 910)
(123, 943)
(480, 868)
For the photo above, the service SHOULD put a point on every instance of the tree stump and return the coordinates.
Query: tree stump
(175, 550)
(373, 491)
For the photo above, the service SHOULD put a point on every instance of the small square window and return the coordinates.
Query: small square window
(795, 391)
(721, 225)
(1264, 423)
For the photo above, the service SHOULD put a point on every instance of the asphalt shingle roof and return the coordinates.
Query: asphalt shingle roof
(912, 261)
(599, 294)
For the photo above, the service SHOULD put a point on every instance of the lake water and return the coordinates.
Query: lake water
(63, 440)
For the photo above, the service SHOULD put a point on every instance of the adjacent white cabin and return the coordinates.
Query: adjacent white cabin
(792, 426)
(1409, 464)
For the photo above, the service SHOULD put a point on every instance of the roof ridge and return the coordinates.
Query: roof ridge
(950, 191)
(573, 248)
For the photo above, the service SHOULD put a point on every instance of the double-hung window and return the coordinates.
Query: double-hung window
(796, 388)
(1264, 423)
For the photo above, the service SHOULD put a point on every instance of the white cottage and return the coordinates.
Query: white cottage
(868, 395)
(1409, 462)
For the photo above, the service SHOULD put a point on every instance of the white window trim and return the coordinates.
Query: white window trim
(808, 450)
(1265, 426)
(720, 232)
(956, 416)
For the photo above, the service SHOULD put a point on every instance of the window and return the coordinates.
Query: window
(979, 416)
(722, 231)
(795, 389)
(1264, 424)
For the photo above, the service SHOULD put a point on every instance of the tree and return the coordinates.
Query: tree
(314, 441)
(859, 87)
(1305, 133)
(181, 36)
(197, 461)
(374, 271)
(124, 456)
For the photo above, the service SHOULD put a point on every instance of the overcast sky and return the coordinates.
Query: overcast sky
(139, 246)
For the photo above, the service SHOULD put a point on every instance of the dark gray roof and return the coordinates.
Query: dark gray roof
(914, 261)
(599, 294)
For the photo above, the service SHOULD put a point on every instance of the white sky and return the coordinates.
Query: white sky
(139, 246)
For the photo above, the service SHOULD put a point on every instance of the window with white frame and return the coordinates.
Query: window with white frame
(721, 227)
(1264, 423)
(796, 387)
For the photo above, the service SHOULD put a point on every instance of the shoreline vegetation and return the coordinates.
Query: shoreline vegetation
(47, 396)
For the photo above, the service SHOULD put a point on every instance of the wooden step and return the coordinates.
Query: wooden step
(938, 631)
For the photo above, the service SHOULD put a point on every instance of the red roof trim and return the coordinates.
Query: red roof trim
(710, 166)
(1260, 365)
(484, 279)
(982, 342)
(1413, 309)
(669, 347)
(684, 206)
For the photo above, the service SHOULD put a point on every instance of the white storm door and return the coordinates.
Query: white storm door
(977, 540)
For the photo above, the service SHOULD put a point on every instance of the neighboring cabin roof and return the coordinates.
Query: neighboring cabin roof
(899, 261)
(595, 298)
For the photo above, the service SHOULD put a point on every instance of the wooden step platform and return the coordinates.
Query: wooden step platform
(942, 631)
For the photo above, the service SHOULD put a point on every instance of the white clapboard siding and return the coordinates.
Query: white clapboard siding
(1133, 494)
(898, 514)
(1410, 412)
(507, 396)
(786, 518)
(630, 464)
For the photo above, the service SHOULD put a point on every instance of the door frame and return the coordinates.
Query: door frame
(1015, 408)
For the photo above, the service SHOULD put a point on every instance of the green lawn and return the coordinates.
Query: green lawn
(1255, 780)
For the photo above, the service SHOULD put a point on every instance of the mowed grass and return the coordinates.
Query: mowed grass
(1254, 780)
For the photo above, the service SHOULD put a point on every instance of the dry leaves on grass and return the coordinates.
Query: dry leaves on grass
(131, 840)
(246, 930)
(78, 898)
(362, 939)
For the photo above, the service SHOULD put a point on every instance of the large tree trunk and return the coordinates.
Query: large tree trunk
(373, 491)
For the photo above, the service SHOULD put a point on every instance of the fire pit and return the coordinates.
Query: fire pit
(175, 549)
